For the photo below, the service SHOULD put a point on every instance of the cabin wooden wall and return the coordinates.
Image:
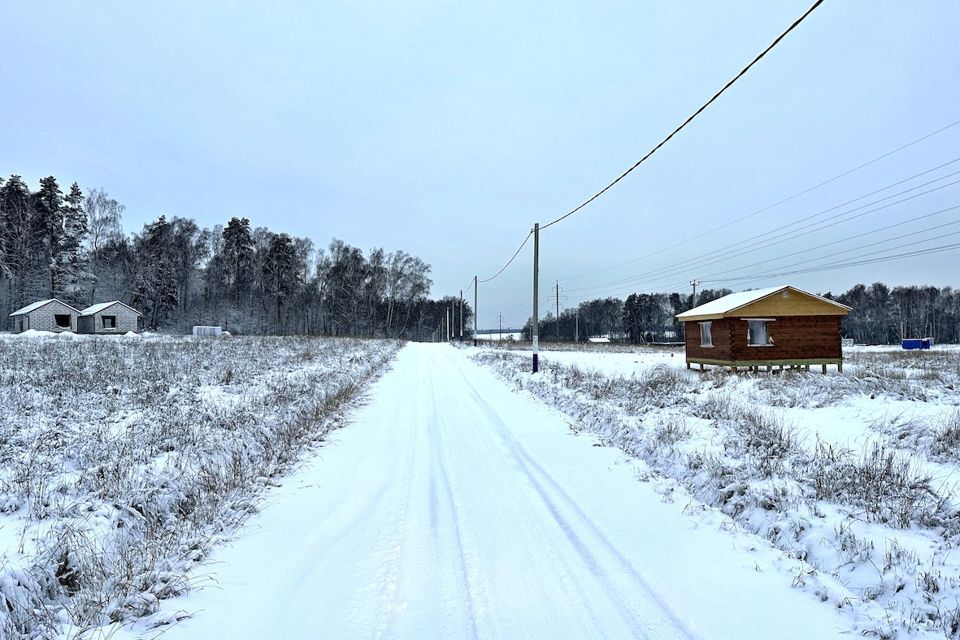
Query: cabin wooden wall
(794, 337)
(722, 334)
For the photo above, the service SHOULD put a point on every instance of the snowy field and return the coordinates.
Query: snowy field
(125, 460)
(506, 336)
(452, 507)
(854, 475)
(457, 503)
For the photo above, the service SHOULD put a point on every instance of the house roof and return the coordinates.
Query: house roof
(36, 305)
(734, 301)
(101, 306)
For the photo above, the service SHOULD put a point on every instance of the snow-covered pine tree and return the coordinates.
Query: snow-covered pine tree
(156, 277)
(19, 241)
(72, 273)
(238, 249)
(48, 226)
(280, 274)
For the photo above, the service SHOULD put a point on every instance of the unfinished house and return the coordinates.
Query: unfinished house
(775, 327)
(109, 318)
(45, 315)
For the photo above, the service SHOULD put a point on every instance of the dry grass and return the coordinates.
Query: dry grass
(130, 458)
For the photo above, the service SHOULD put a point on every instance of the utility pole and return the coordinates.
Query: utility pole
(576, 335)
(476, 318)
(535, 324)
(449, 332)
(461, 315)
(558, 311)
(500, 335)
(694, 284)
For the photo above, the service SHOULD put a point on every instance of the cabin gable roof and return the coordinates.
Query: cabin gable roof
(103, 306)
(30, 308)
(772, 301)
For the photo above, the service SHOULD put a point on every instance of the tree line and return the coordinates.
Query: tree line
(880, 315)
(248, 279)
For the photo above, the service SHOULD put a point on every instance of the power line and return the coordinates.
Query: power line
(756, 242)
(863, 234)
(735, 248)
(830, 222)
(855, 262)
(782, 201)
(512, 258)
(689, 119)
(872, 244)
(715, 277)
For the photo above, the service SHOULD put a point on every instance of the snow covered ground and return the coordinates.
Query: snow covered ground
(856, 474)
(614, 495)
(124, 461)
(506, 336)
(454, 508)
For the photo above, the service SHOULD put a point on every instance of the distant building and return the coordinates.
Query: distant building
(775, 327)
(45, 315)
(109, 317)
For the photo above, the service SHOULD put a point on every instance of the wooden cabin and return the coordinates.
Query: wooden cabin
(45, 315)
(774, 327)
(110, 318)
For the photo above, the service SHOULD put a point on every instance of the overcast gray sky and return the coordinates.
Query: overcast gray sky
(446, 129)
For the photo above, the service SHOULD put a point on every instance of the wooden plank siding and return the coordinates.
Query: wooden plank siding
(796, 340)
(722, 334)
(787, 304)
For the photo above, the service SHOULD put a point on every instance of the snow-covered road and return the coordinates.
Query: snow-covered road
(453, 507)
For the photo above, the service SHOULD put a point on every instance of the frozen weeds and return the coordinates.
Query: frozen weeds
(457, 505)
(849, 474)
(454, 508)
(125, 461)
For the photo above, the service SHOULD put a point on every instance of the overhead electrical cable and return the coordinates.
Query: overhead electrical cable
(512, 258)
(863, 234)
(782, 201)
(716, 276)
(706, 104)
(737, 247)
(837, 253)
(854, 263)
(756, 242)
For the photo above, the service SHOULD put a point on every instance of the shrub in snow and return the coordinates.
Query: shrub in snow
(125, 460)
(846, 516)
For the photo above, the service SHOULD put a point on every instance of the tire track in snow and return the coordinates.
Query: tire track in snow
(627, 614)
(557, 565)
(517, 513)
(532, 469)
(451, 509)
(394, 538)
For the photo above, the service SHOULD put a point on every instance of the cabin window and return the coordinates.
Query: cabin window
(758, 334)
(62, 320)
(109, 322)
(706, 336)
